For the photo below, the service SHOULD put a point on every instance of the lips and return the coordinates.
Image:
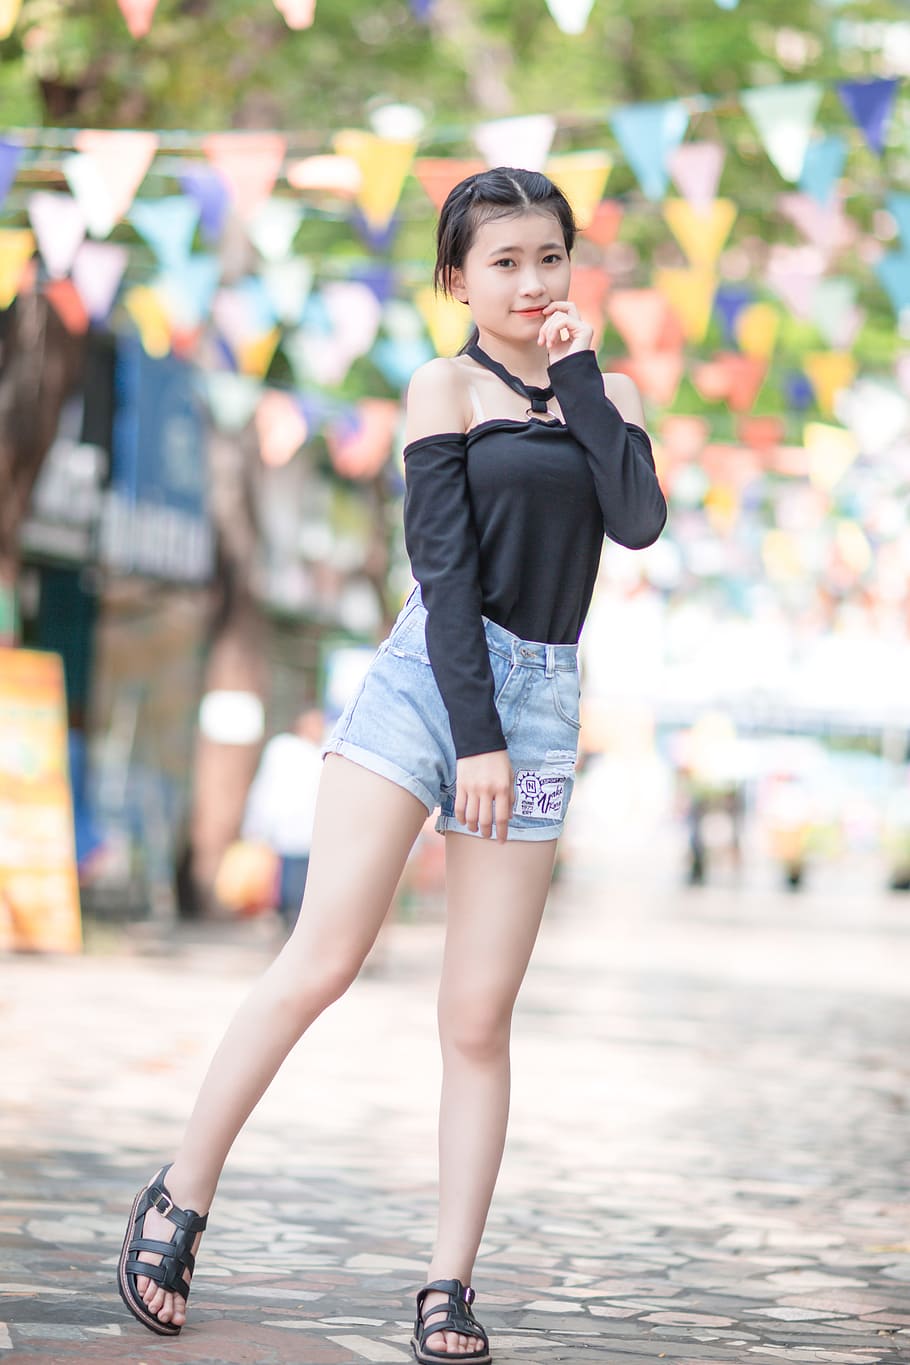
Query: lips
(529, 312)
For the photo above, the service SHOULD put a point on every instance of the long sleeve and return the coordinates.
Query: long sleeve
(441, 542)
(619, 453)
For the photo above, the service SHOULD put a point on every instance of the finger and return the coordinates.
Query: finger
(502, 818)
(485, 816)
(461, 801)
(470, 817)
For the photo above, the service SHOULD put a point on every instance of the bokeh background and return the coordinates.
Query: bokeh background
(216, 246)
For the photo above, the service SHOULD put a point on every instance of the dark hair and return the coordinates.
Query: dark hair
(497, 193)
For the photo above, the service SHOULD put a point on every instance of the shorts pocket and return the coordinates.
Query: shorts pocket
(408, 637)
(566, 696)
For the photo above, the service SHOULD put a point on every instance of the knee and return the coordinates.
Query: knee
(309, 986)
(476, 1030)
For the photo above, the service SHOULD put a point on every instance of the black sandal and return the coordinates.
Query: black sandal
(458, 1318)
(176, 1254)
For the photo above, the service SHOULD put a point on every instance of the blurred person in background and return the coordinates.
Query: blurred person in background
(471, 703)
(281, 805)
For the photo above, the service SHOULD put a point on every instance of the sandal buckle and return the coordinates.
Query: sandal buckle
(168, 1204)
(469, 1295)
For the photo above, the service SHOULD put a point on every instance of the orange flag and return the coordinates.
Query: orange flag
(438, 175)
(361, 453)
(66, 301)
(605, 223)
(588, 291)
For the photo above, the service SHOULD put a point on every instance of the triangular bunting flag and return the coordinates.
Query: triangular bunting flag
(822, 168)
(360, 447)
(187, 288)
(729, 301)
(383, 162)
(582, 177)
(756, 329)
(249, 164)
(835, 313)
(446, 319)
(690, 293)
(59, 228)
(97, 271)
(783, 116)
(150, 317)
(893, 271)
(588, 290)
(829, 372)
(605, 224)
(898, 205)
(523, 142)
(287, 284)
(438, 175)
(9, 13)
(638, 316)
(869, 104)
(695, 168)
(10, 153)
(16, 247)
(168, 225)
(824, 225)
(297, 14)
(232, 399)
(831, 452)
(64, 298)
(206, 188)
(657, 373)
(700, 232)
(648, 134)
(138, 15)
(793, 273)
(571, 16)
(273, 227)
(121, 159)
(280, 426)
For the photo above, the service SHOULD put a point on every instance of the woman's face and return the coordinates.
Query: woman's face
(514, 268)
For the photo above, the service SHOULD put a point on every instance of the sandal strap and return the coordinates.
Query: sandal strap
(176, 1255)
(458, 1316)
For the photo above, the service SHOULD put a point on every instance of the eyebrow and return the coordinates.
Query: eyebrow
(547, 246)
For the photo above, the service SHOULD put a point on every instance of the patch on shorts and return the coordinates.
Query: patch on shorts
(540, 793)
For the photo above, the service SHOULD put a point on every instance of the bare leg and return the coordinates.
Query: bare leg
(350, 883)
(495, 896)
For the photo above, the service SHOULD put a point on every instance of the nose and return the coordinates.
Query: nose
(531, 285)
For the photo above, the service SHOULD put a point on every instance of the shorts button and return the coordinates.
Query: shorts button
(526, 652)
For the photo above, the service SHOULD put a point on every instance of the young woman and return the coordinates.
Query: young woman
(520, 455)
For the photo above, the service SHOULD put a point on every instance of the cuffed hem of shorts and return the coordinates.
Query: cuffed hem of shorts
(514, 833)
(384, 767)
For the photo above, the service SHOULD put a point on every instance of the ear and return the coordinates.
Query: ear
(457, 286)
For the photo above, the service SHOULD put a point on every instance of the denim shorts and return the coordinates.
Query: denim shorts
(397, 725)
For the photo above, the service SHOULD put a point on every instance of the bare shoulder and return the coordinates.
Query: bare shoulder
(435, 400)
(622, 390)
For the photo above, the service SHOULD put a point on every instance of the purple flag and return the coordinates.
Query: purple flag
(10, 153)
(869, 104)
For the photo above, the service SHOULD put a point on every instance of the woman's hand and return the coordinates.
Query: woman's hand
(564, 332)
(482, 781)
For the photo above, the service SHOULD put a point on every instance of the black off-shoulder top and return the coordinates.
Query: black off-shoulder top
(508, 519)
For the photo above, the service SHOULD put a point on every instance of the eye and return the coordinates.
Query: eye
(554, 256)
(505, 260)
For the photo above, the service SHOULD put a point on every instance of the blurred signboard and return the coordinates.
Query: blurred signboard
(39, 892)
(155, 518)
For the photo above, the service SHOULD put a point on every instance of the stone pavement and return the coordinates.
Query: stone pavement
(708, 1157)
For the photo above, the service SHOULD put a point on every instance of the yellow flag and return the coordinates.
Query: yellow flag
(150, 316)
(831, 452)
(829, 371)
(16, 247)
(447, 320)
(255, 356)
(9, 13)
(700, 232)
(690, 293)
(582, 177)
(756, 329)
(384, 162)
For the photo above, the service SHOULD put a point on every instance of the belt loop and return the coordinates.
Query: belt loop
(551, 661)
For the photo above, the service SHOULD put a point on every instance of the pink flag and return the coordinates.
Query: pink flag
(249, 164)
(695, 168)
(138, 15)
(121, 159)
(59, 227)
(97, 272)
